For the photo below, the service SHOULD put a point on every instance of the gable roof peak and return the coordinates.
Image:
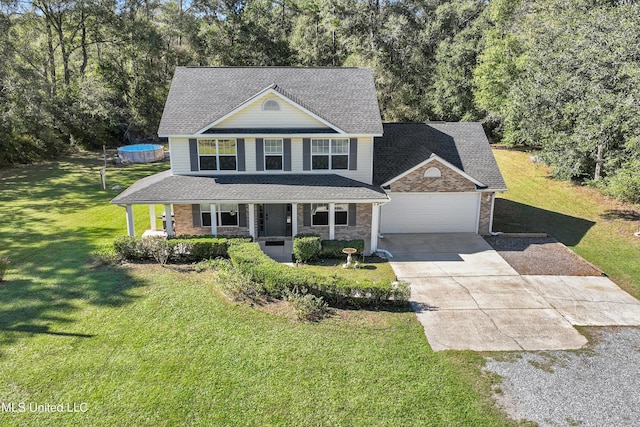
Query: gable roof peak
(344, 97)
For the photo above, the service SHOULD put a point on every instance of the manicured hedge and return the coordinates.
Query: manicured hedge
(333, 248)
(181, 249)
(306, 248)
(276, 279)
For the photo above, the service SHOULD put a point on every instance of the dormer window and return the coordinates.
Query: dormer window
(270, 105)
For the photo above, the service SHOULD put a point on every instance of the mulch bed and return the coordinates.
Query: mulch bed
(541, 256)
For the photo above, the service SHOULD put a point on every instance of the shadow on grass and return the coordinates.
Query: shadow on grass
(514, 217)
(50, 280)
(35, 329)
(623, 214)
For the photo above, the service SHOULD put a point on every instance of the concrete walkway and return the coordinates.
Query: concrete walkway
(280, 253)
(468, 298)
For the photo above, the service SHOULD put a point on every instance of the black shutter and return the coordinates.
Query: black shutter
(286, 153)
(259, 154)
(306, 154)
(353, 154)
(242, 215)
(352, 214)
(306, 214)
(193, 154)
(197, 219)
(240, 154)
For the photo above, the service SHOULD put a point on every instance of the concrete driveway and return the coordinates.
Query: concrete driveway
(468, 297)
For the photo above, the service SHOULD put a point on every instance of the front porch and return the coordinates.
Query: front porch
(260, 206)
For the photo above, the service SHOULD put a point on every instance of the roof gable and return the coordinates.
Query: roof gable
(437, 159)
(200, 96)
(251, 115)
(463, 146)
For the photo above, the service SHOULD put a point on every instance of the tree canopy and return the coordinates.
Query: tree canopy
(561, 76)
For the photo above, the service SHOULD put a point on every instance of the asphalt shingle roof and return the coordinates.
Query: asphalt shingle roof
(166, 188)
(344, 97)
(465, 145)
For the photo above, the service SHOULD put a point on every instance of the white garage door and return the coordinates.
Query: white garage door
(430, 213)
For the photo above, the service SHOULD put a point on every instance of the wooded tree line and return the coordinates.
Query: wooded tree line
(563, 76)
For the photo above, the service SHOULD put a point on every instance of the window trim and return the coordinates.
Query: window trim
(205, 208)
(217, 154)
(265, 154)
(330, 154)
(315, 205)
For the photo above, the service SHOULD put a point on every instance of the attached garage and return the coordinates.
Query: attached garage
(430, 213)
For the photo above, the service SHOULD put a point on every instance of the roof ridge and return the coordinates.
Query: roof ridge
(297, 67)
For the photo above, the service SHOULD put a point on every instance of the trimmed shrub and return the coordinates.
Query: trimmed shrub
(307, 306)
(4, 266)
(197, 248)
(236, 286)
(278, 279)
(217, 264)
(306, 248)
(131, 248)
(178, 250)
(160, 250)
(333, 248)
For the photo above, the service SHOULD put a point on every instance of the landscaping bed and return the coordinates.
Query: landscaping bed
(541, 256)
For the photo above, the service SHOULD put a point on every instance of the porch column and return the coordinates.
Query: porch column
(152, 216)
(130, 228)
(168, 219)
(294, 219)
(332, 221)
(252, 220)
(375, 226)
(214, 220)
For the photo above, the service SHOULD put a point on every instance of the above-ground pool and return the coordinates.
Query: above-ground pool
(141, 153)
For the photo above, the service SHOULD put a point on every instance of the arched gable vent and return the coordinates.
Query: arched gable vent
(432, 173)
(270, 105)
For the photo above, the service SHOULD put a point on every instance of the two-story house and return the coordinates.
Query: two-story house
(273, 152)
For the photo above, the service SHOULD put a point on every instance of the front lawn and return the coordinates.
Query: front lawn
(147, 345)
(597, 228)
(372, 268)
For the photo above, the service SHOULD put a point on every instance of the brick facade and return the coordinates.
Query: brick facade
(184, 224)
(484, 222)
(362, 229)
(449, 181)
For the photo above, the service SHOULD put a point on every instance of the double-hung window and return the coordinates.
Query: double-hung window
(320, 214)
(330, 153)
(342, 214)
(217, 154)
(273, 154)
(226, 215)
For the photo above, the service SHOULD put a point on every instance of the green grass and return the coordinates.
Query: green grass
(372, 268)
(597, 228)
(146, 345)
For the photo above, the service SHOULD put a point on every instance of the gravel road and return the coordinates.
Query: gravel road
(595, 387)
